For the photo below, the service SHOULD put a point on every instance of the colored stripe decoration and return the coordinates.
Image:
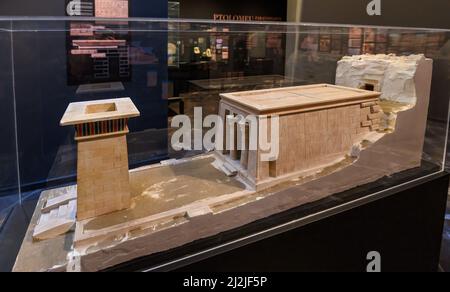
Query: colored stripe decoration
(101, 127)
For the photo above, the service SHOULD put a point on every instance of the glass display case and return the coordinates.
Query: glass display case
(9, 179)
(135, 136)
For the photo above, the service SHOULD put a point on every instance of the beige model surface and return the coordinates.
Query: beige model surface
(318, 124)
(103, 175)
(178, 203)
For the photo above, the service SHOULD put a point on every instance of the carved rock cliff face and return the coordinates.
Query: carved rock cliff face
(392, 75)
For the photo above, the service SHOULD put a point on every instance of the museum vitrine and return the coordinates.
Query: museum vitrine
(161, 139)
(9, 179)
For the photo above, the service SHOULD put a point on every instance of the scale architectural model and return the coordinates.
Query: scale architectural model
(318, 125)
(103, 175)
(332, 138)
(103, 183)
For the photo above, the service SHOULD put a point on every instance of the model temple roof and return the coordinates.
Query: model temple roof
(297, 99)
(100, 110)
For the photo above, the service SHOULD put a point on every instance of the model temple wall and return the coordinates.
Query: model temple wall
(318, 129)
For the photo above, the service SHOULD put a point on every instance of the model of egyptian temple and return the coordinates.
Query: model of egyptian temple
(103, 176)
(319, 139)
(318, 125)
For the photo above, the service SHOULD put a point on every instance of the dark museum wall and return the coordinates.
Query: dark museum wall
(403, 13)
(411, 13)
(46, 150)
(205, 9)
(32, 8)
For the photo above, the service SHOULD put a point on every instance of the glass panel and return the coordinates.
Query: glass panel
(177, 69)
(52, 71)
(9, 183)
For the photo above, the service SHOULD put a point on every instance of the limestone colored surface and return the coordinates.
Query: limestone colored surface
(160, 189)
(296, 99)
(102, 165)
(395, 152)
(47, 255)
(56, 222)
(99, 110)
(318, 125)
(393, 76)
(103, 179)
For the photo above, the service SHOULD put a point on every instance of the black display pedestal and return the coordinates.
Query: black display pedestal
(404, 226)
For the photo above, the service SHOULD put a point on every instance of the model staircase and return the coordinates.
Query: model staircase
(58, 216)
(229, 169)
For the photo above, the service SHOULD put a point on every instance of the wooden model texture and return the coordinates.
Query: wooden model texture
(102, 166)
(318, 124)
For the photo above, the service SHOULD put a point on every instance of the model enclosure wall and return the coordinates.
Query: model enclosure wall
(313, 139)
(391, 75)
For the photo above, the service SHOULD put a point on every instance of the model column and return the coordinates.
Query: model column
(102, 165)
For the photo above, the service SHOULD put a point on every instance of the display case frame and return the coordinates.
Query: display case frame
(308, 55)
